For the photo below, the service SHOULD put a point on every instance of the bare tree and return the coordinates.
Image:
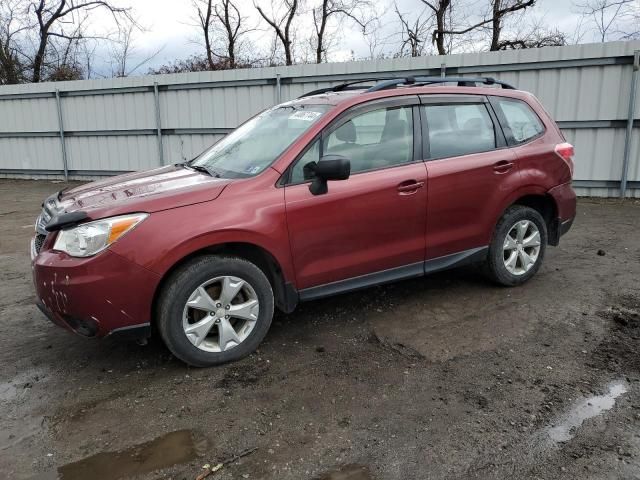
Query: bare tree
(223, 28)
(500, 10)
(52, 15)
(12, 67)
(229, 17)
(205, 17)
(445, 25)
(340, 9)
(124, 49)
(442, 11)
(282, 25)
(414, 32)
(612, 19)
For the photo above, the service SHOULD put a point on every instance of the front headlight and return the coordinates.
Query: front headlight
(93, 237)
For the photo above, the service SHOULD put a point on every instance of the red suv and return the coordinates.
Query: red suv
(341, 189)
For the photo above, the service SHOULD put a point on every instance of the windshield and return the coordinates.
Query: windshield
(256, 144)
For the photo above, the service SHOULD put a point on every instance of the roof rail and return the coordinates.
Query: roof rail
(345, 86)
(418, 81)
(392, 82)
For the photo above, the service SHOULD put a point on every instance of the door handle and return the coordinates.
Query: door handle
(503, 166)
(407, 188)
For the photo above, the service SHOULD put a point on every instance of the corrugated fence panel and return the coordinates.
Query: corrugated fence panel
(112, 153)
(28, 115)
(606, 145)
(213, 107)
(41, 153)
(108, 112)
(111, 125)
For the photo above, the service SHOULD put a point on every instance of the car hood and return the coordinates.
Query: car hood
(148, 191)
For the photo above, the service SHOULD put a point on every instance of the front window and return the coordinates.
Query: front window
(256, 144)
(379, 138)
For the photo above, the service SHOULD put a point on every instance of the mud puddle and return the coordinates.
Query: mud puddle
(565, 429)
(348, 472)
(171, 449)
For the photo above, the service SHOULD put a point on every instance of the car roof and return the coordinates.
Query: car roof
(355, 96)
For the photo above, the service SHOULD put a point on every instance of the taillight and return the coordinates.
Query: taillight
(565, 151)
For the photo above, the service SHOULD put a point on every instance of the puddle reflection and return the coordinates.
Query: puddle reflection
(588, 408)
(171, 449)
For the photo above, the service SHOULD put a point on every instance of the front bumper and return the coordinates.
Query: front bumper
(96, 296)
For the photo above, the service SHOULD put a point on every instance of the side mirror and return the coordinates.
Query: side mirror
(330, 167)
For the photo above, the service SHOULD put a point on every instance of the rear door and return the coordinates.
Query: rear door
(470, 171)
(372, 223)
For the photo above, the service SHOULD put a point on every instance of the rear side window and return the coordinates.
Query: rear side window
(520, 123)
(459, 129)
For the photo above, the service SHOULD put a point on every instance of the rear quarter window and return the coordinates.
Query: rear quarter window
(519, 122)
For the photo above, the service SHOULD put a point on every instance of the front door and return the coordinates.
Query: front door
(374, 222)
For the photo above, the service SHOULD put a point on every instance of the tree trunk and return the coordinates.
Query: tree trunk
(323, 26)
(38, 60)
(206, 22)
(287, 52)
(496, 24)
(319, 48)
(232, 53)
(439, 33)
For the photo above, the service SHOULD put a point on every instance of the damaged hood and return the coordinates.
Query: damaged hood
(149, 191)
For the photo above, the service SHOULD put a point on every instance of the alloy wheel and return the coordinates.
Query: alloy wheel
(521, 247)
(220, 314)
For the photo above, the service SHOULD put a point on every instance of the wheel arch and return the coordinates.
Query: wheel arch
(285, 294)
(541, 201)
(544, 204)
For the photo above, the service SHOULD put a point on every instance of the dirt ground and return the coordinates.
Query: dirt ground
(443, 377)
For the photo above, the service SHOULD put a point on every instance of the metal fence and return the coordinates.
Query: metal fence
(84, 129)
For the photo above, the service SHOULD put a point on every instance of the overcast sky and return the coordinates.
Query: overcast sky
(170, 28)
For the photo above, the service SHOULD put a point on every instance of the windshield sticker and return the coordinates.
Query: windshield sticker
(251, 169)
(306, 115)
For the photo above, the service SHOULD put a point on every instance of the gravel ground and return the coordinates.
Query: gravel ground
(443, 377)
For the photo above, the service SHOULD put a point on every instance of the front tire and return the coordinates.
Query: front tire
(518, 246)
(215, 309)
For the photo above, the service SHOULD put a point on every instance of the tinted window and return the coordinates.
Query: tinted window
(376, 139)
(459, 129)
(521, 122)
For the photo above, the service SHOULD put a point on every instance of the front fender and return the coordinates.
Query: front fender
(167, 237)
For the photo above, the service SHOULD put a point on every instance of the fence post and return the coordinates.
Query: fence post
(630, 115)
(278, 89)
(443, 70)
(62, 142)
(156, 99)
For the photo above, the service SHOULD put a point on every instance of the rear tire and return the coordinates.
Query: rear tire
(215, 309)
(518, 246)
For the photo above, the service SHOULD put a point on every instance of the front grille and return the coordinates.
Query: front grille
(38, 241)
(50, 208)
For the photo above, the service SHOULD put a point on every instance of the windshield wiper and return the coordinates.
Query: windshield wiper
(203, 169)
